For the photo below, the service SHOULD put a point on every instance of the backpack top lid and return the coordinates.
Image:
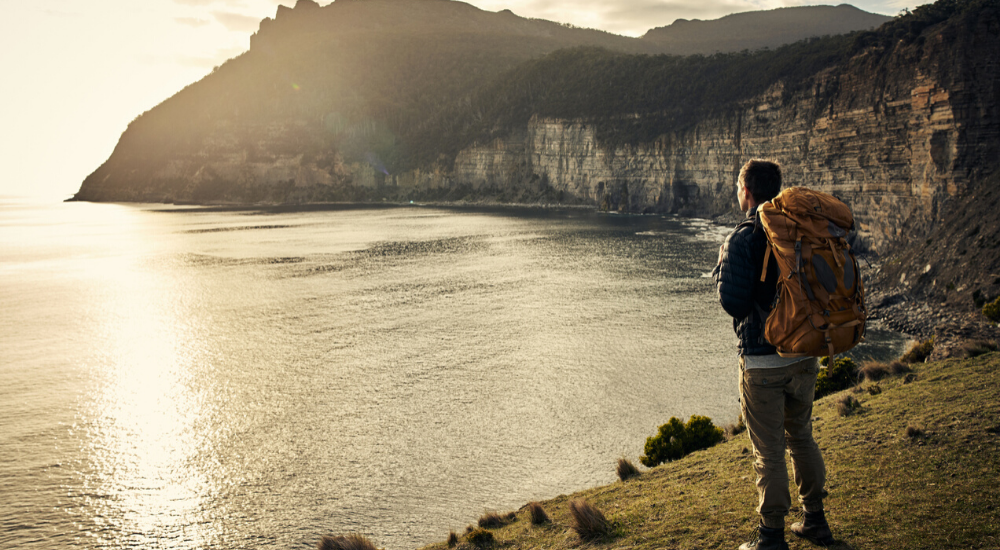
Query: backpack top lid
(802, 203)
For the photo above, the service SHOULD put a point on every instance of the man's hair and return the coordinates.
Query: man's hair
(762, 178)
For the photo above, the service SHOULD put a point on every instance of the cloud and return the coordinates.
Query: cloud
(192, 21)
(237, 21)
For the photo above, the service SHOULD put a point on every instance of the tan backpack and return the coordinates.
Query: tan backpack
(819, 309)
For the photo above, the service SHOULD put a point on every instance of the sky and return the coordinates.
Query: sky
(76, 72)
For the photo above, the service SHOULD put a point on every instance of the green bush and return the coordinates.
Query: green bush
(676, 439)
(842, 374)
(919, 352)
(992, 310)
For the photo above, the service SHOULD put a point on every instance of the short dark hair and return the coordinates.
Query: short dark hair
(762, 178)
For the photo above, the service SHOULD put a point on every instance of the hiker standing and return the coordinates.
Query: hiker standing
(776, 393)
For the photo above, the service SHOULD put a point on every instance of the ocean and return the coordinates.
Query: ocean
(193, 378)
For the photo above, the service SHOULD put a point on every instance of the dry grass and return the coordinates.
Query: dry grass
(480, 538)
(874, 370)
(975, 348)
(490, 520)
(345, 542)
(734, 429)
(847, 405)
(626, 470)
(588, 522)
(538, 515)
(899, 368)
(919, 352)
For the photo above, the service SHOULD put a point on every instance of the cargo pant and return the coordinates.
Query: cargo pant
(777, 408)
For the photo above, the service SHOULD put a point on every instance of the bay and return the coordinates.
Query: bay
(178, 377)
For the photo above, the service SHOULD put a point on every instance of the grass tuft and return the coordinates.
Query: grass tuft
(734, 429)
(847, 405)
(480, 538)
(874, 370)
(538, 515)
(345, 542)
(899, 368)
(469, 529)
(452, 539)
(919, 352)
(588, 522)
(874, 389)
(491, 520)
(975, 348)
(914, 432)
(626, 470)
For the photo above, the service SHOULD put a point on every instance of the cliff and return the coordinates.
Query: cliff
(447, 102)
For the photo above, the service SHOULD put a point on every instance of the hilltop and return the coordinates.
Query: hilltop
(914, 468)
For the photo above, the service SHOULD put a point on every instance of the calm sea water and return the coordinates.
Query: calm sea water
(183, 378)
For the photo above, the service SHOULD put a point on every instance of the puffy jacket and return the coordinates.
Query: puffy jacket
(741, 292)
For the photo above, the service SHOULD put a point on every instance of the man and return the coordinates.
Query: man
(776, 393)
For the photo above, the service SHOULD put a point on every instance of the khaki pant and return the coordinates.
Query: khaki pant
(777, 409)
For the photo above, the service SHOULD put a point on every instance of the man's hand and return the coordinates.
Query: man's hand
(721, 248)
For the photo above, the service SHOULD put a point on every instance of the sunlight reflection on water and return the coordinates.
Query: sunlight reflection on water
(215, 379)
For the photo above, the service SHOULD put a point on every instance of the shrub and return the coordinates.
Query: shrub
(345, 542)
(847, 405)
(919, 352)
(898, 368)
(480, 537)
(841, 375)
(874, 389)
(588, 521)
(874, 370)
(626, 470)
(914, 432)
(976, 348)
(676, 439)
(490, 520)
(452, 539)
(538, 515)
(992, 310)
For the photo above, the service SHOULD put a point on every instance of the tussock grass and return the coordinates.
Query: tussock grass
(874, 371)
(734, 429)
(886, 489)
(847, 404)
(452, 539)
(588, 522)
(490, 520)
(899, 368)
(975, 348)
(626, 470)
(480, 538)
(537, 513)
(919, 352)
(914, 432)
(345, 542)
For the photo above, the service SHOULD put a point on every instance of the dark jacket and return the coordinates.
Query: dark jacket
(741, 292)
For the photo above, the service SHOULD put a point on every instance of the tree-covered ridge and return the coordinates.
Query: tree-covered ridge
(634, 99)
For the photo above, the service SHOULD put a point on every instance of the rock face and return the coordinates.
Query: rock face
(898, 134)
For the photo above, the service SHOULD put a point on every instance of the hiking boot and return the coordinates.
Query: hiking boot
(814, 529)
(766, 538)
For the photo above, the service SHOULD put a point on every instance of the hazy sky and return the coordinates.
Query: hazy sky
(75, 72)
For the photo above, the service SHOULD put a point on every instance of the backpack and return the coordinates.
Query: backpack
(819, 308)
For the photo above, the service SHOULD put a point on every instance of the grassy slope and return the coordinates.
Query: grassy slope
(887, 490)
